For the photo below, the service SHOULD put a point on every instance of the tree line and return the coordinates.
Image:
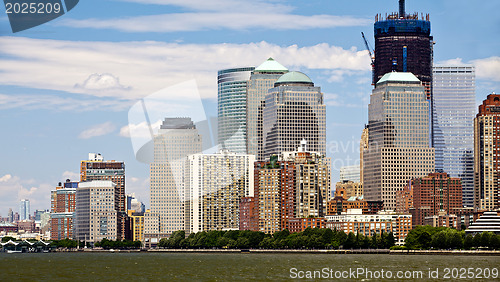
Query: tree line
(311, 238)
(427, 237)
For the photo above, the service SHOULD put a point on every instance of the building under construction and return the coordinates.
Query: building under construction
(403, 43)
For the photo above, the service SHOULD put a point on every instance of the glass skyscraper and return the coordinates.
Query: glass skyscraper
(454, 111)
(232, 112)
(24, 209)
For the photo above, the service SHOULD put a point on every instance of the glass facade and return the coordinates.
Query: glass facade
(453, 130)
(232, 112)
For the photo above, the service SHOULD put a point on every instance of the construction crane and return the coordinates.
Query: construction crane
(372, 54)
(372, 57)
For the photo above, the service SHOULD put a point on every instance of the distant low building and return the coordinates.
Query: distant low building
(488, 222)
(443, 220)
(370, 224)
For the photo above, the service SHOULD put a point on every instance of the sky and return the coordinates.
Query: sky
(67, 87)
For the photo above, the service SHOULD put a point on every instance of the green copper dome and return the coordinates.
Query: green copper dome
(271, 66)
(294, 77)
(399, 77)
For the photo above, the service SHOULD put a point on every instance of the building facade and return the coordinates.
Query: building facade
(294, 110)
(487, 154)
(348, 189)
(96, 168)
(176, 139)
(435, 193)
(350, 173)
(215, 186)
(232, 112)
(96, 212)
(371, 224)
(291, 186)
(454, 100)
(403, 43)
(261, 80)
(398, 146)
(63, 203)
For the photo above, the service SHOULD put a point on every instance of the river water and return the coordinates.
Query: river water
(256, 267)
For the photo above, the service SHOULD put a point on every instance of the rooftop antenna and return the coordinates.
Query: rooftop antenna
(402, 8)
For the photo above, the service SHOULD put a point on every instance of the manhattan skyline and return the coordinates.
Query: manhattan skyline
(66, 87)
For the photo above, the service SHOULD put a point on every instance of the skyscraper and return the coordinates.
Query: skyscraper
(454, 99)
(215, 185)
(96, 168)
(398, 138)
(176, 139)
(403, 43)
(294, 111)
(487, 154)
(24, 209)
(261, 80)
(232, 113)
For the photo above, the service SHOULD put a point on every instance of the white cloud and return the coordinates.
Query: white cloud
(214, 21)
(5, 178)
(140, 127)
(104, 81)
(13, 189)
(220, 5)
(97, 130)
(488, 68)
(148, 66)
(58, 103)
(73, 176)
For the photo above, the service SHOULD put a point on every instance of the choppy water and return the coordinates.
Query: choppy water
(226, 267)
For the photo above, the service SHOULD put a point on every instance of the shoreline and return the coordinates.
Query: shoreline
(266, 251)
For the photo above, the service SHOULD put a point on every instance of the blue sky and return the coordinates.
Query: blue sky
(66, 87)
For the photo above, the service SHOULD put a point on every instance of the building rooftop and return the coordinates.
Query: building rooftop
(294, 77)
(271, 66)
(398, 77)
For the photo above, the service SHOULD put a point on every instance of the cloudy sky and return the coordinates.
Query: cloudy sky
(66, 87)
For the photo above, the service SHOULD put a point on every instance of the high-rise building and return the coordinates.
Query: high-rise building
(403, 43)
(63, 202)
(432, 194)
(294, 110)
(350, 173)
(176, 139)
(215, 185)
(96, 168)
(398, 144)
(11, 215)
(487, 154)
(454, 100)
(24, 209)
(232, 112)
(261, 80)
(96, 214)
